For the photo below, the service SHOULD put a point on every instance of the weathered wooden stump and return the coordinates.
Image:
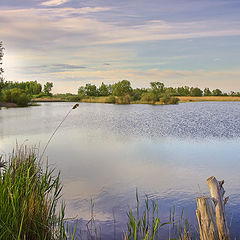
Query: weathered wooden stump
(211, 213)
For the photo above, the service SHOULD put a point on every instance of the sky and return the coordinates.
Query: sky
(74, 42)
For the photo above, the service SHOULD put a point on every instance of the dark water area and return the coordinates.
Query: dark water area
(105, 152)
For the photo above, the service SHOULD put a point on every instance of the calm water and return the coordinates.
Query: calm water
(106, 151)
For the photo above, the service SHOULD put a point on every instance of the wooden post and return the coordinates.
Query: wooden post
(211, 213)
(206, 219)
(217, 192)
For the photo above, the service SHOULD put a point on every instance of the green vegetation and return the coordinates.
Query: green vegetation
(122, 88)
(145, 224)
(21, 93)
(48, 88)
(29, 195)
(110, 99)
(122, 93)
(16, 95)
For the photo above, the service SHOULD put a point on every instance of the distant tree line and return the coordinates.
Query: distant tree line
(156, 92)
(21, 93)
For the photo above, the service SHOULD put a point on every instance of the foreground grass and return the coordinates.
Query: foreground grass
(28, 198)
(145, 224)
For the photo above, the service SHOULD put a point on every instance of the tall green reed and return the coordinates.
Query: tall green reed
(29, 195)
(145, 223)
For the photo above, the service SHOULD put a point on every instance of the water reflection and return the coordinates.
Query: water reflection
(105, 152)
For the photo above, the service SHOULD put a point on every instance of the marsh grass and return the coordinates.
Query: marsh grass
(183, 99)
(145, 224)
(29, 195)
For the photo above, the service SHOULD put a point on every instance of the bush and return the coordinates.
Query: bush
(123, 99)
(73, 98)
(40, 95)
(167, 99)
(149, 97)
(110, 99)
(174, 100)
(17, 96)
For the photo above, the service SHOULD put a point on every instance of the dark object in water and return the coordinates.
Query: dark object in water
(75, 106)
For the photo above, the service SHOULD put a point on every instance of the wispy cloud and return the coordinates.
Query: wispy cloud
(53, 3)
(67, 26)
(54, 68)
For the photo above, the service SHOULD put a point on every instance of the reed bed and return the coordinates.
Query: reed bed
(29, 196)
(209, 98)
(145, 223)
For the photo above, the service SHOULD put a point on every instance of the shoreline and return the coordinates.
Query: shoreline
(182, 99)
(8, 105)
(14, 105)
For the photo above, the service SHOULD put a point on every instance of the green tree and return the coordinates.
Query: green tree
(183, 91)
(122, 88)
(157, 88)
(196, 92)
(33, 87)
(81, 92)
(149, 97)
(137, 93)
(207, 92)
(217, 92)
(48, 88)
(91, 90)
(104, 90)
(171, 91)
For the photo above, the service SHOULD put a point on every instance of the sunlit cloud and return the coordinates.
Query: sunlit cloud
(52, 3)
(70, 27)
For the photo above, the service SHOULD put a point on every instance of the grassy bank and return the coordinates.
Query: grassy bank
(49, 99)
(209, 98)
(29, 194)
(182, 99)
(8, 105)
(14, 105)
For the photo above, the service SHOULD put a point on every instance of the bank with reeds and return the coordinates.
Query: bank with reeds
(29, 196)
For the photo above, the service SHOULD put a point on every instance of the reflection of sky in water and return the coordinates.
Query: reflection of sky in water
(105, 151)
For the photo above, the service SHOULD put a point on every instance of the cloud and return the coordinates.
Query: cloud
(60, 42)
(53, 3)
(73, 27)
(53, 68)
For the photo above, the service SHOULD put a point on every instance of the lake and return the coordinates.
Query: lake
(105, 152)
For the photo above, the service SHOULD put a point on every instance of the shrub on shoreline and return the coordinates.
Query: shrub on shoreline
(15, 95)
(167, 99)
